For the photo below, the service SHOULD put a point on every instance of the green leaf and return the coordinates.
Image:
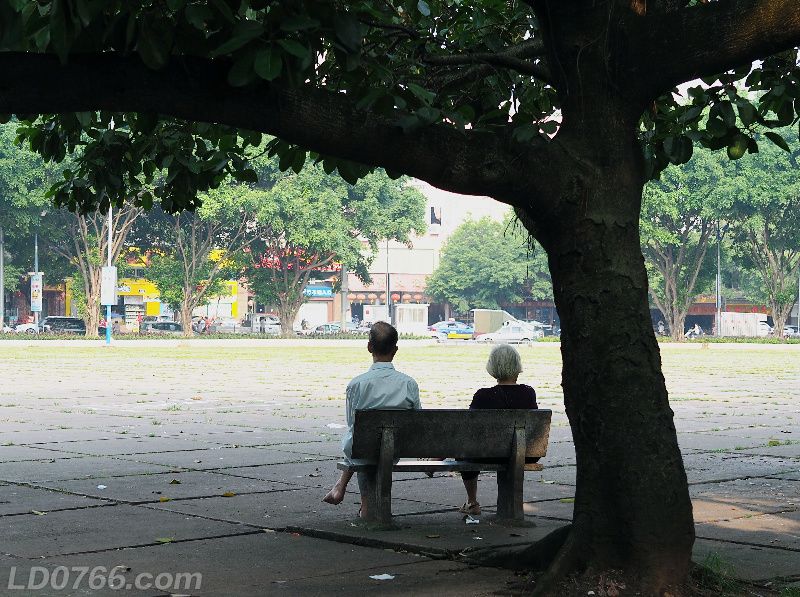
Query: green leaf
(198, 15)
(241, 72)
(243, 33)
(423, 7)
(778, 140)
(348, 30)
(298, 23)
(268, 64)
(747, 112)
(423, 94)
(154, 43)
(295, 48)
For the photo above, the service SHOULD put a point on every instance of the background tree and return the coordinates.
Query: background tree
(24, 180)
(471, 277)
(192, 254)
(311, 221)
(82, 240)
(680, 215)
(561, 109)
(764, 198)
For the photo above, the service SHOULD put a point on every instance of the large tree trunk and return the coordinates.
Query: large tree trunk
(287, 313)
(632, 507)
(92, 318)
(92, 288)
(186, 319)
(780, 313)
(677, 326)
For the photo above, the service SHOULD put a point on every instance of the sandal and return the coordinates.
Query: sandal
(472, 508)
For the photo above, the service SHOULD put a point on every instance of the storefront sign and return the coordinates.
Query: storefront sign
(318, 292)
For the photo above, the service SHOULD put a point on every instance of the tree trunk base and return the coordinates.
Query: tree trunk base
(559, 566)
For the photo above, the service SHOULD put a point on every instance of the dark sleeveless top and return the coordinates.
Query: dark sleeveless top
(516, 396)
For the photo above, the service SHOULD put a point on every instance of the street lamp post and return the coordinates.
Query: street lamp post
(108, 306)
(388, 290)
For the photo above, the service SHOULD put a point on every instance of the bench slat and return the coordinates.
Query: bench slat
(456, 433)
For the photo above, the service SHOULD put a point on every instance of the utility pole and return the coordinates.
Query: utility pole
(388, 290)
(36, 270)
(108, 307)
(345, 299)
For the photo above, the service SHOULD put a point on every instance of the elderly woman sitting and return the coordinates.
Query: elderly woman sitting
(504, 365)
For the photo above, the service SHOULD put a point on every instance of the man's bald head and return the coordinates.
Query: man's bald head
(382, 340)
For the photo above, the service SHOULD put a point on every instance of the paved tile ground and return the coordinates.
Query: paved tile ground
(167, 457)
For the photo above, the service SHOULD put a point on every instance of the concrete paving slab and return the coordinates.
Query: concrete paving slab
(134, 445)
(784, 450)
(150, 488)
(109, 527)
(46, 436)
(749, 562)
(438, 532)
(26, 453)
(422, 578)
(218, 458)
(705, 467)
(75, 468)
(274, 564)
(20, 499)
(742, 498)
(303, 472)
(781, 529)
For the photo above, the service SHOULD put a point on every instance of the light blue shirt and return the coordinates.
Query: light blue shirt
(382, 386)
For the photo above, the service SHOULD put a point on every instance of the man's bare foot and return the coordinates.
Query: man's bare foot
(334, 496)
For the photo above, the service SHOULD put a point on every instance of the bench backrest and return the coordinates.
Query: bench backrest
(461, 434)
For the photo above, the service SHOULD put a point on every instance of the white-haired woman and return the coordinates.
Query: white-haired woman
(504, 365)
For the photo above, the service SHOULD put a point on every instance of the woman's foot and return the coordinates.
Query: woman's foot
(471, 508)
(334, 496)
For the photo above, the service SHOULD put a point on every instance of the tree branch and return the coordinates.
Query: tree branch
(711, 38)
(196, 89)
(515, 58)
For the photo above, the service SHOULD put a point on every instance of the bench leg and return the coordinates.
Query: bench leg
(367, 484)
(509, 495)
(509, 481)
(383, 477)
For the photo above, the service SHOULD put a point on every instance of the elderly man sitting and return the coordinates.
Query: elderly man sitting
(380, 387)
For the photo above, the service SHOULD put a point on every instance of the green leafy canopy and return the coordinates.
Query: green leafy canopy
(463, 64)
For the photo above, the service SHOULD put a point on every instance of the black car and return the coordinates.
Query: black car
(63, 325)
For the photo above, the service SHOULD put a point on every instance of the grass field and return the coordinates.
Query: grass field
(448, 374)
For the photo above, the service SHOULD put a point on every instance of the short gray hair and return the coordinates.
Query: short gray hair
(504, 362)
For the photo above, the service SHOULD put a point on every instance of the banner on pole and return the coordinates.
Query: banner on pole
(36, 292)
(108, 285)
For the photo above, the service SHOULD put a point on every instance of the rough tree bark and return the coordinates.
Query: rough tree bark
(614, 391)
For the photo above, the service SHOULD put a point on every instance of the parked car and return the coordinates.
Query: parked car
(451, 330)
(161, 328)
(27, 328)
(791, 331)
(764, 329)
(512, 332)
(63, 325)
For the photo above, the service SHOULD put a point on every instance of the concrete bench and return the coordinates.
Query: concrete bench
(383, 436)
